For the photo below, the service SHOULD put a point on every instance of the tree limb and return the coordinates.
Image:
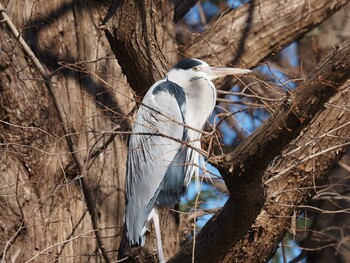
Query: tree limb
(243, 169)
(267, 33)
(250, 34)
(294, 20)
(181, 8)
(326, 138)
(144, 55)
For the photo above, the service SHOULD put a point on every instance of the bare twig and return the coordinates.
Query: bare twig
(57, 244)
(10, 242)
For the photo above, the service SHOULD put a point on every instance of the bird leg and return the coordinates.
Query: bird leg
(155, 218)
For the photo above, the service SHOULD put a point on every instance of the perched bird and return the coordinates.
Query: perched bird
(162, 154)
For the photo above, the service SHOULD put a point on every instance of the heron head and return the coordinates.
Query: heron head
(189, 69)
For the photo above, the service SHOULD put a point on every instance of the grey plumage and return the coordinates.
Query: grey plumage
(151, 160)
(162, 154)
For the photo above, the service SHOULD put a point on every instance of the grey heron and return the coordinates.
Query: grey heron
(162, 156)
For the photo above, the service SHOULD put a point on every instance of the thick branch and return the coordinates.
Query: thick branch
(292, 177)
(294, 114)
(253, 32)
(263, 35)
(182, 7)
(243, 169)
(141, 36)
(249, 35)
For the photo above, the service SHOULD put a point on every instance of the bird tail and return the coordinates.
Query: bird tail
(135, 229)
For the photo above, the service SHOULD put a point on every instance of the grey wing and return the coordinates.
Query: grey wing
(150, 154)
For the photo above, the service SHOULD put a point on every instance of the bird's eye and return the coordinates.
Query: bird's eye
(195, 68)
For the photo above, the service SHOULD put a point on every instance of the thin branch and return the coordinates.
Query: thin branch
(58, 244)
(10, 242)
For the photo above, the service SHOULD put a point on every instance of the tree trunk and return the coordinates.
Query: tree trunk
(43, 215)
(253, 26)
(326, 237)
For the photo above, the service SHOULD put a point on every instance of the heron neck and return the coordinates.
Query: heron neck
(200, 102)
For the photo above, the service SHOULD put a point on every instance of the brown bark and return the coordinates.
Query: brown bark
(289, 29)
(142, 38)
(326, 238)
(250, 34)
(292, 179)
(41, 197)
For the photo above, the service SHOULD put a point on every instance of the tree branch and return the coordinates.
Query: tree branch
(144, 55)
(250, 34)
(294, 19)
(327, 137)
(243, 169)
(294, 114)
(182, 7)
(267, 33)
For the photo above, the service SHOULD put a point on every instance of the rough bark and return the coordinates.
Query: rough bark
(142, 38)
(248, 35)
(294, 176)
(326, 237)
(43, 215)
(243, 169)
(302, 23)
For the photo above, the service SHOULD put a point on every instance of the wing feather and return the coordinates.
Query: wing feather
(151, 152)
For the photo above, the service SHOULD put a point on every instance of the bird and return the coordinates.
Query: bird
(163, 146)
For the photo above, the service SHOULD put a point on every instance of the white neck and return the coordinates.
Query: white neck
(180, 77)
